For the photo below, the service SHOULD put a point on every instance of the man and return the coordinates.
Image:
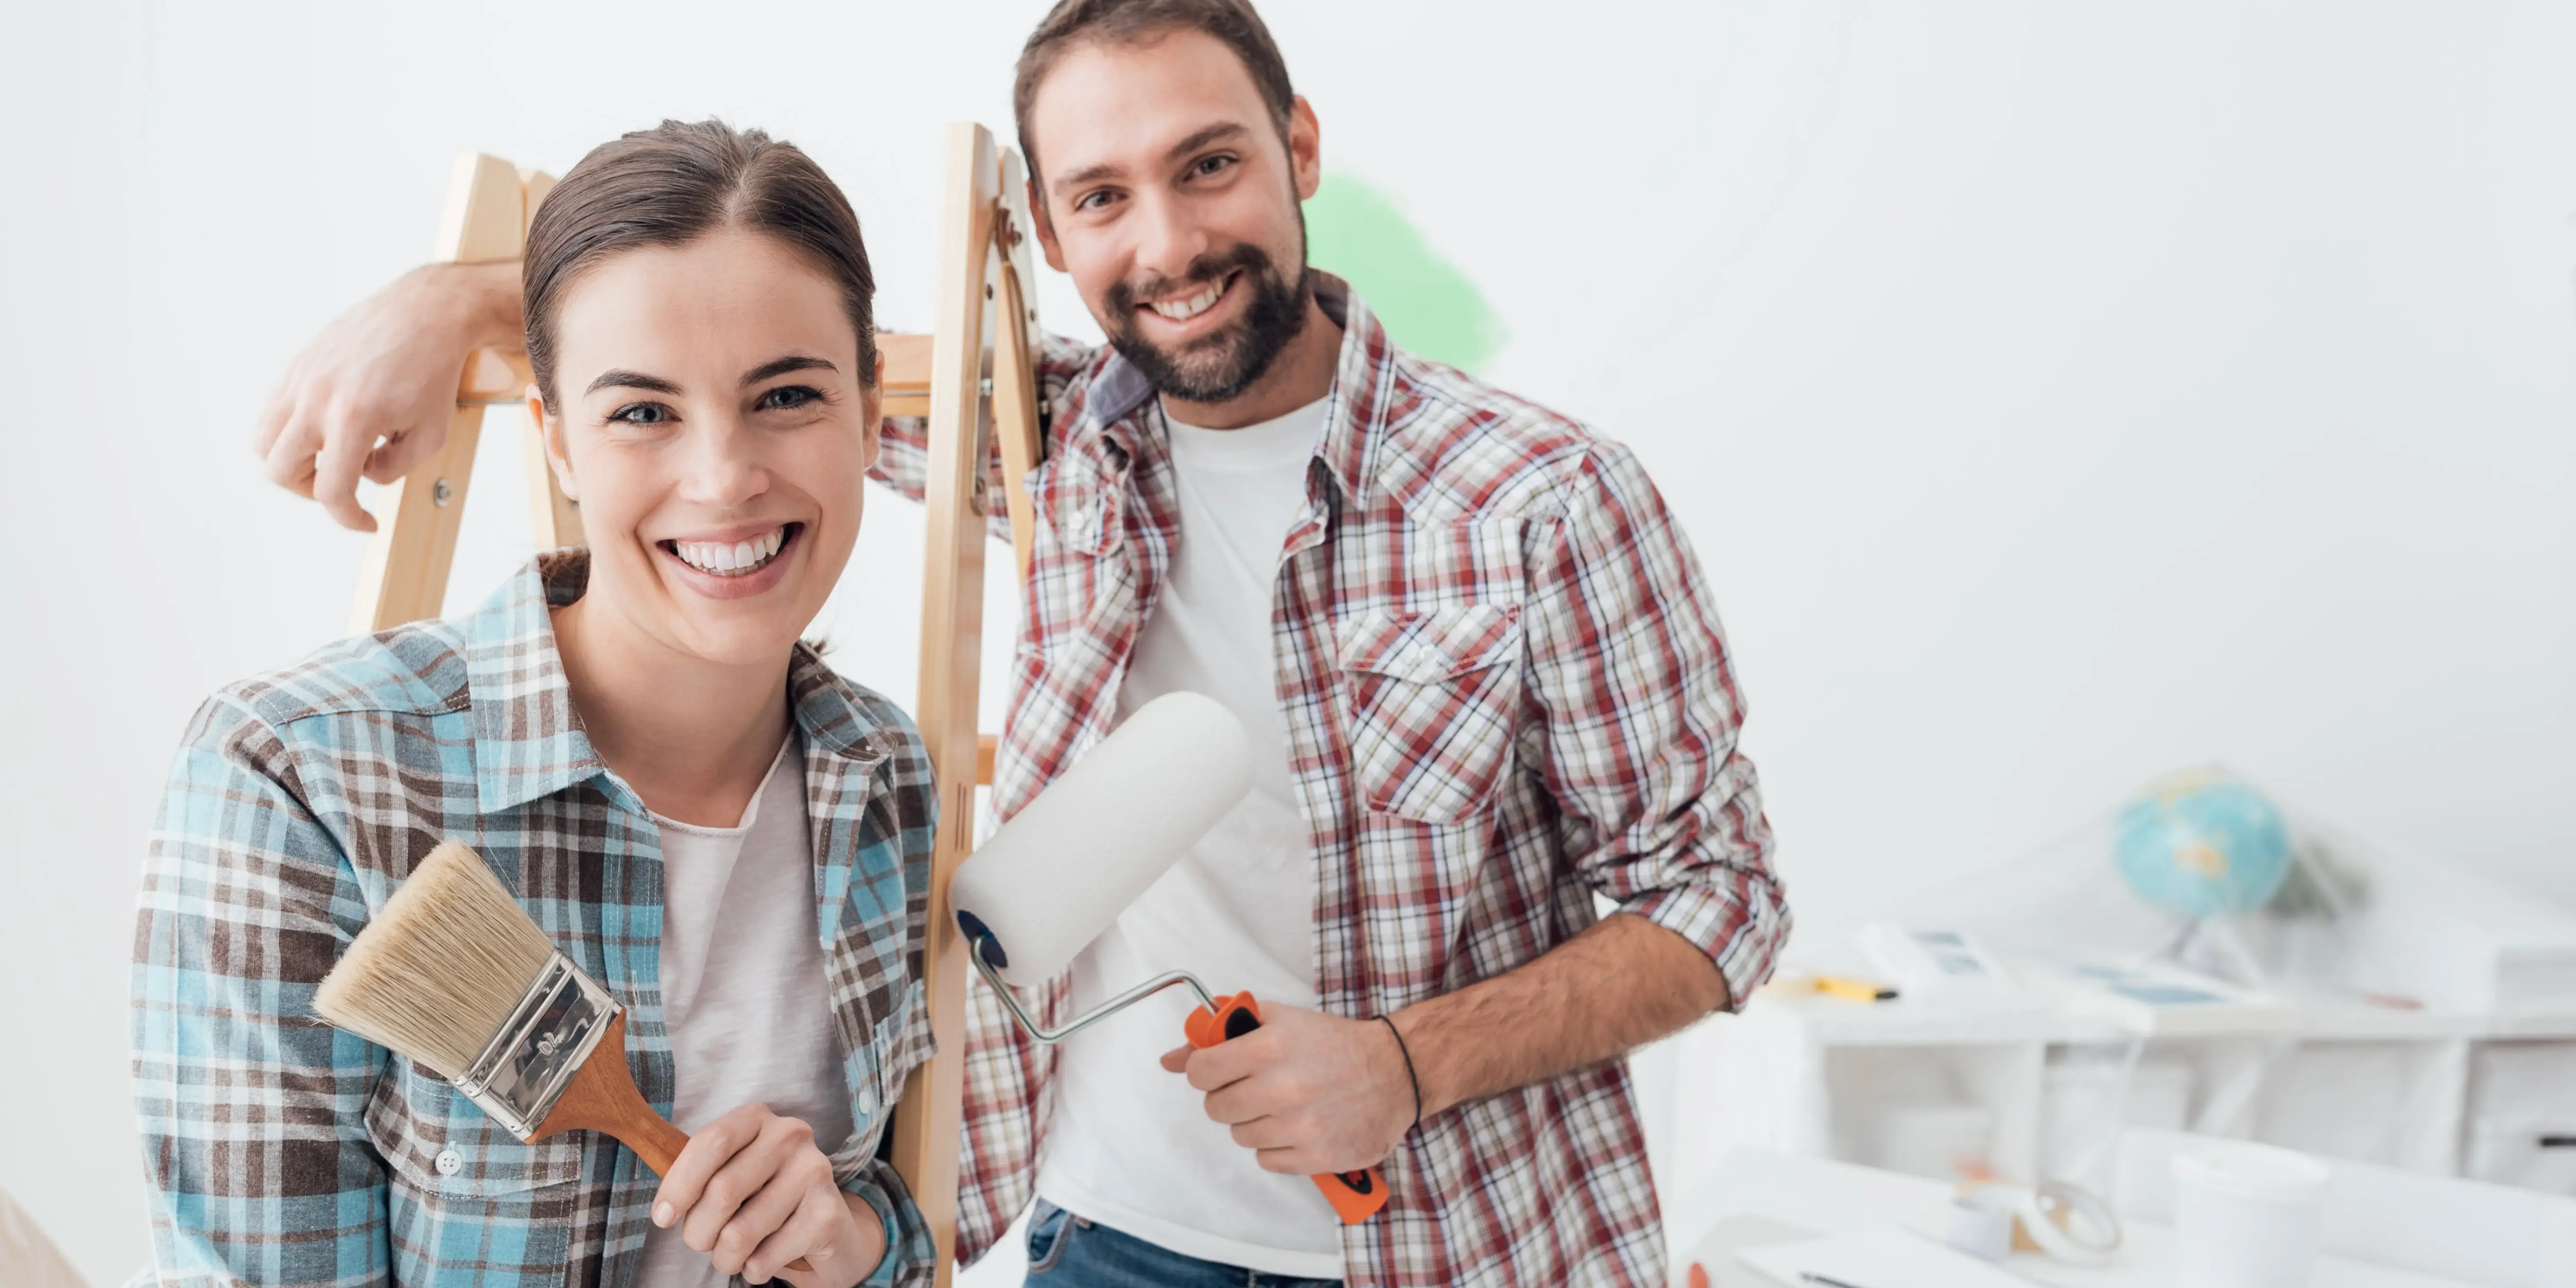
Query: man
(1477, 657)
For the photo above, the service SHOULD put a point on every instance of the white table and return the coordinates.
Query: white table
(1839, 1198)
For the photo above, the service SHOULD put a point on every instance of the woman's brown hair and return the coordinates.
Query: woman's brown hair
(672, 184)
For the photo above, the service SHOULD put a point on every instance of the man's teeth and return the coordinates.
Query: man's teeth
(731, 560)
(1184, 310)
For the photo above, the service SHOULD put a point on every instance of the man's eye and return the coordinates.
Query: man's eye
(1210, 165)
(643, 413)
(789, 396)
(1093, 200)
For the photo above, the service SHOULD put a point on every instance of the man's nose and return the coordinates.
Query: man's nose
(1170, 238)
(721, 466)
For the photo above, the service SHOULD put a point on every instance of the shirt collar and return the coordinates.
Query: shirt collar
(528, 740)
(1363, 403)
(1360, 406)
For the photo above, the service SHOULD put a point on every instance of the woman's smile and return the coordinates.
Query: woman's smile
(732, 564)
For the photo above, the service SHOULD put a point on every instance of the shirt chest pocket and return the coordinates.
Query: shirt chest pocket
(447, 1153)
(1431, 696)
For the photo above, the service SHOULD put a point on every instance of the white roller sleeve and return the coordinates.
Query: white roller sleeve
(1063, 868)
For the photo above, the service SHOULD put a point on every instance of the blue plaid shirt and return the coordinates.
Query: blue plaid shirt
(283, 1151)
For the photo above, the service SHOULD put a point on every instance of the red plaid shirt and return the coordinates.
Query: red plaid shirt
(1505, 691)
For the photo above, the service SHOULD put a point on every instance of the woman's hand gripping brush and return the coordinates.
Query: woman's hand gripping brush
(754, 1193)
(454, 975)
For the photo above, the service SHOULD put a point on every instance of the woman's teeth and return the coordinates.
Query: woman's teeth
(735, 559)
(1184, 310)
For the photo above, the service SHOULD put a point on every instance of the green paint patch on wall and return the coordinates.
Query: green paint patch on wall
(1425, 303)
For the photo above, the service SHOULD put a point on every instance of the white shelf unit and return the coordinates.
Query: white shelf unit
(1913, 1088)
(2480, 1081)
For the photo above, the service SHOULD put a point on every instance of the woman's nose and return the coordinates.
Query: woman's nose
(722, 465)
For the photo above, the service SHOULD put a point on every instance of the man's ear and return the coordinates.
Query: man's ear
(1046, 229)
(1305, 147)
(558, 458)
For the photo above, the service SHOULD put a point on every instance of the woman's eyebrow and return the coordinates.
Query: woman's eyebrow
(620, 378)
(781, 366)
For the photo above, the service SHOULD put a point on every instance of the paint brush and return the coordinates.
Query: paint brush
(454, 975)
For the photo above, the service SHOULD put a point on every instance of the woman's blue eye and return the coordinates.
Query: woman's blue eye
(788, 396)
(642, 414)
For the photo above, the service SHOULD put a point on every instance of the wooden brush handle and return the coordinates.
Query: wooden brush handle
(602, 1097)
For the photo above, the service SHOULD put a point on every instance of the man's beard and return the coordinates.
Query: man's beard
(1217, 367)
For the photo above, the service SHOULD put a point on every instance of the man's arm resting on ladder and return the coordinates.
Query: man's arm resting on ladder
(372, 394)
(904, 462)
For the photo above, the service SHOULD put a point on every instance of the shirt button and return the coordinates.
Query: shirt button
(450, 1162)
(867, 1098)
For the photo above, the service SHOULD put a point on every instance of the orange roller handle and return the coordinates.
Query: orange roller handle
(1355, 1196)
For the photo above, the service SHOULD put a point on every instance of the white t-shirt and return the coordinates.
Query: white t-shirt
(1131, 1146)
(743, 989)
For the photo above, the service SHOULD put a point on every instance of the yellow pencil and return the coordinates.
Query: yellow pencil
(1858, 990)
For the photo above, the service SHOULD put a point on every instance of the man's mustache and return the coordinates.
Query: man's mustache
(1206, 269)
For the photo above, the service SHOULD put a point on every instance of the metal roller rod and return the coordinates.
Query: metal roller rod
(1011, 1000)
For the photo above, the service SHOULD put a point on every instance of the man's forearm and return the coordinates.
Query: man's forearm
(1620, 984)
(480, 301)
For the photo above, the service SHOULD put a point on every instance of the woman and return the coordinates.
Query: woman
(689, 802)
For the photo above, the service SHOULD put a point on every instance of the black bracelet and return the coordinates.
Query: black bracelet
(1409, 1074)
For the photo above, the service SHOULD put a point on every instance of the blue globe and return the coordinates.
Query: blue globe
(2201, 844)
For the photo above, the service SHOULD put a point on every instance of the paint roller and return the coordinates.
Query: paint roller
(1049, 881)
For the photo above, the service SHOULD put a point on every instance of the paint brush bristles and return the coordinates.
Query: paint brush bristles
(437, 974)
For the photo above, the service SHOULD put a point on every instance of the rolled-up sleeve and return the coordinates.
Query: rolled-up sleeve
(903, 442)
(1658, 810)
(908, 1260)
(251, 1111)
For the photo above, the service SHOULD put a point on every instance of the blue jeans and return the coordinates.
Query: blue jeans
(1066, 1251)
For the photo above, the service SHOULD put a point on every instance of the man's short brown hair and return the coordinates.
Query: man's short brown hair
(1135, 22)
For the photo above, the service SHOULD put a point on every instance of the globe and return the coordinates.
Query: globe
(2202, 844)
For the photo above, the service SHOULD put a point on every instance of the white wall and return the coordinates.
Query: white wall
(2056, 394)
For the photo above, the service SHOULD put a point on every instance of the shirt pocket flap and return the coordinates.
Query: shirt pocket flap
(438, 1141)
(1432, 697)
(1429, 646)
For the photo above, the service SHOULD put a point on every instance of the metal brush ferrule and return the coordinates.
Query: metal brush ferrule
(524, 1071)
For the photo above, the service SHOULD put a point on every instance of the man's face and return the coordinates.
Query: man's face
(1173, 201)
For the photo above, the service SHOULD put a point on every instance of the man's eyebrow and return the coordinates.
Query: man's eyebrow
(1077, 178)
(1212, 134)
(621, 378)
(1219, 132)
(781, 366)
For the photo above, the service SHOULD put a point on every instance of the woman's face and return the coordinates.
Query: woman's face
(717, 434)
